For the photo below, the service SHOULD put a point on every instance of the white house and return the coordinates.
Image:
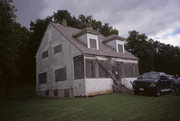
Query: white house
(72, 62)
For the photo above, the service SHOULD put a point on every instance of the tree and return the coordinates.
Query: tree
(137, 44)
(7, 57)
(153, 55)
(12, 38)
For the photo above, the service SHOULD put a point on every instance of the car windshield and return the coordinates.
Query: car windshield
(150, 76)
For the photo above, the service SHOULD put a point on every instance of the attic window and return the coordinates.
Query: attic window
(120, 48)
(92, 43)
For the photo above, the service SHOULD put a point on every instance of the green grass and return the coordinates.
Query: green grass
(115, 107)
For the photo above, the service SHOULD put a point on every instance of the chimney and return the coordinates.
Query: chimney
(64, 22)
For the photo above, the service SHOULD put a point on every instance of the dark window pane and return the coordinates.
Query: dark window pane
(89, 69)
(92, 43)
(78, 67)
(58, 48)
(126, 70)
(42, 78)
(131, 70)
(92, 68)
(55, 92)
(108, 66)
(136, 70)
(66, 92)
(60, 74)
(119, 70)
(47, 92)
(120, 48)
(115, 70)
(102, 70)
(45, 54)
(122, 69)
(95, 69)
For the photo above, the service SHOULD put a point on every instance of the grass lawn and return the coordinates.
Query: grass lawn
(114, 107)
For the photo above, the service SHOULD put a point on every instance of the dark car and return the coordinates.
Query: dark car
(176, 85)
(153, 82)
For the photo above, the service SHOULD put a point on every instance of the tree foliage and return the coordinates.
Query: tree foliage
(12, 39)
(153, 55)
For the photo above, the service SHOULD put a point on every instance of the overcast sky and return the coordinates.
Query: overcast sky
(159, 19)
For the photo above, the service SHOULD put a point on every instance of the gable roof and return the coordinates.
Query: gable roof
(104, 50)
(86, 30)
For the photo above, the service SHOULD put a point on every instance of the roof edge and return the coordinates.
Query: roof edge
(113, 37)
(111, 56)
(86, 30)
(65, 36)
(42, 38)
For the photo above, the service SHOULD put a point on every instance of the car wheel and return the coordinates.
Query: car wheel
(157, 92)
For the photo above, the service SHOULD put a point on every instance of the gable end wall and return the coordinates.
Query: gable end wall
(62, 59)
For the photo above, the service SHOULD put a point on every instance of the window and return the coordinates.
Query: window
(128, 70)
(102, 70)
(96, 69)
(117, 69)
(90, 68)
(57, 48)
(55, 92)
(45, 54)
(78, 67)
(92, 43)
(42, 78)
(47, 92)
(136, 70)
(66, 92)
(131, 70)
(120, 48)
(60, 74)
